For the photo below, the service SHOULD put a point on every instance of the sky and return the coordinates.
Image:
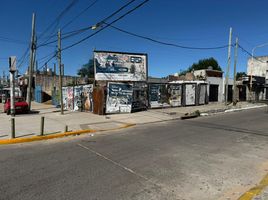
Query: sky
(193, 23)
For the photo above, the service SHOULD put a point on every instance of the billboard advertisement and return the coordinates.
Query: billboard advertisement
(119, 97)
(119, 66)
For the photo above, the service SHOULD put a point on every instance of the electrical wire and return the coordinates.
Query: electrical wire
(77, 16)
(247, 52)
(165, 43)
(56, 21)
(104, 27)
(76, 32)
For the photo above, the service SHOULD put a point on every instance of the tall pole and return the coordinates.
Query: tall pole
(60, 74)
(12, 69)
(228, 66)
(30, 70)
(235, 63)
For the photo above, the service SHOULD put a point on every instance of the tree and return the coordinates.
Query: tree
(87, 69)
(203, 64)
(239, 75)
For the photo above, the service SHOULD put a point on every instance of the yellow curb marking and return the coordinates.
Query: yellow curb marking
(255, 190)
(57, 135)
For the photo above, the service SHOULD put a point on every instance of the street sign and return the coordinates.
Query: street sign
(12, 63)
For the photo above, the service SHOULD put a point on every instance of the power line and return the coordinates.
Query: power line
(82, 12)
(165, 43)
(56, 21)
(247, 52)
(87, 28)
(101, 29)
(76, 32)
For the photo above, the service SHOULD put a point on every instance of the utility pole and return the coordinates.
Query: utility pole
(235, 62)
(60, 68)
(12, 70)
(228, 66)
(30, 70)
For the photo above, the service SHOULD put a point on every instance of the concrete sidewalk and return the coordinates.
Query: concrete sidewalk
(29, 124)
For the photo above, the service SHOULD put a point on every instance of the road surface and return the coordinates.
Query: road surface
(215, 157)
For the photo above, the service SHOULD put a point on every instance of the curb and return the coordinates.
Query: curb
(208, 113)
(58, 135)
(247, 108)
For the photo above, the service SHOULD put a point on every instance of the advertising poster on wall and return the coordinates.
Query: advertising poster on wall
(119, 97)
(175, 94)
(83, 99)
(78, 98)
(158, 95)
(117, 66)
(140, 96)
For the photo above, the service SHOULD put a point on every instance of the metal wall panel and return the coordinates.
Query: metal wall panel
(190, 94)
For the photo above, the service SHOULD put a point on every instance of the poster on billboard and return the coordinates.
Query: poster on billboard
(119, 97)
(120, 66)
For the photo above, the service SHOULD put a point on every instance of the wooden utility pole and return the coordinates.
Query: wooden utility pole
(60, 74)
(235, 62)
(228, 66)
(30, 69)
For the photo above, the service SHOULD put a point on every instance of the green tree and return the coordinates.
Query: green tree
(87, 69)
(203, 64)
(240, 75)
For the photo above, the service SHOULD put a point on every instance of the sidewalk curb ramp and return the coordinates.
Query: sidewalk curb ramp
(58, 135)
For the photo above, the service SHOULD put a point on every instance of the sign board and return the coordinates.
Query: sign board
(12, 63)
(119, 97)
(119, 66)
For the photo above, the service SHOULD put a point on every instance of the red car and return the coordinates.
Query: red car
(21, 106)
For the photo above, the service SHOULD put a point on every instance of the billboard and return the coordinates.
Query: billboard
(119, 66)
(119, 97)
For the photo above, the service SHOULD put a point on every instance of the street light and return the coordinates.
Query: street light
(252, 57)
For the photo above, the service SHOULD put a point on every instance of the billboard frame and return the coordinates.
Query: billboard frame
(123, 53)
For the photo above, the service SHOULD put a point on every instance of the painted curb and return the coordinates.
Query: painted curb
(58, 135)
(255, 191)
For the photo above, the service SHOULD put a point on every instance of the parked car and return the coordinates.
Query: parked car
(21, 106)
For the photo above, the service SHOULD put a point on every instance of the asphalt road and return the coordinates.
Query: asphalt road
(216, 157)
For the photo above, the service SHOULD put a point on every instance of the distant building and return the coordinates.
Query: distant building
(215, 83)
(257, 69)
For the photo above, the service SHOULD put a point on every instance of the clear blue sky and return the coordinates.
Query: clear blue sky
(190, 23)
